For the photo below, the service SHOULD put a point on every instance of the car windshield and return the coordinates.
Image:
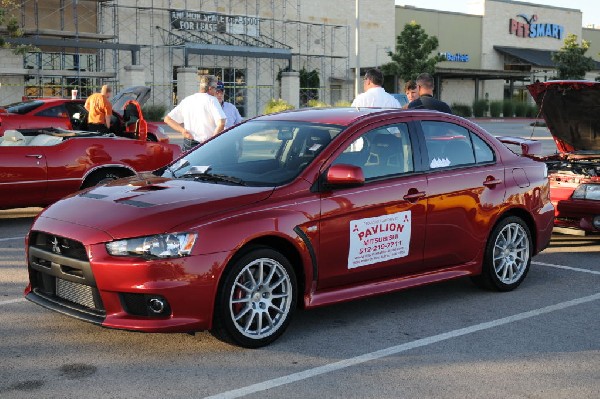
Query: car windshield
(256, 153)
(22, 107)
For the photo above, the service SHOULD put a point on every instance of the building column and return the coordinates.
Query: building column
(12, 77)
(187, 82)
(290, 88)
(134, 75)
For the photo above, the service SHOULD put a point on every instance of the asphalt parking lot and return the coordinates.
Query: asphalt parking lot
(451, 340)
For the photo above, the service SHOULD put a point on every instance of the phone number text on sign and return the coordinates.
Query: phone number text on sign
(378, 239)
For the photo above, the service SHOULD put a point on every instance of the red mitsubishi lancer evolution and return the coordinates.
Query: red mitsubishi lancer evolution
(293, 210)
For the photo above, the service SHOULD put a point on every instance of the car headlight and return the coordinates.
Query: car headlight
(162, 246)
(587, 192)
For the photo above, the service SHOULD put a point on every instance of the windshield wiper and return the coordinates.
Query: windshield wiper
(201, 173)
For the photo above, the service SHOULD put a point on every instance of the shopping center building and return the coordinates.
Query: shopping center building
(262, 49)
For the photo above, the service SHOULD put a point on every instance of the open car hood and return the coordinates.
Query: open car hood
(571, 109)
(136, 93)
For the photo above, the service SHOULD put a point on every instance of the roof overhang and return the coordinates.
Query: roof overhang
(534, 57)
(481, 74)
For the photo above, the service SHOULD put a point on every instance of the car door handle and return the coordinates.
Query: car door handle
(36, 156)
(414, 196)
(491, 182)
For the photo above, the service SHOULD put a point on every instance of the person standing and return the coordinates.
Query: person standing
(374, 95)
(410, 89)
(99, 110)
(231, 112)
(426, 100)
(198, 117)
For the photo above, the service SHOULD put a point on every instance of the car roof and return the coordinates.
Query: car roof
(339, 116)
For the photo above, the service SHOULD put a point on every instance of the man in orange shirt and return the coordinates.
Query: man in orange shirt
(99, 110)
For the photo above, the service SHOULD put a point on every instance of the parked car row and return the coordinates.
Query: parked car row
(303, 209)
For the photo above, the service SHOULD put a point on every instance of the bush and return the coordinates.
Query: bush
(532, 111)
(508, 108)
(480, 108)
(463, 110)
(316, 104)
(495, 109)
(278, 105)
(520, 109)
(154, 113)
(342, 103)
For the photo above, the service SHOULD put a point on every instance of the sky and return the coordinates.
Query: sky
(589, 8)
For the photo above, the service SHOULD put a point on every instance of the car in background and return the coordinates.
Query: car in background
(570, 109)
(40, 166)
(62, 113)
(297, 209)
(402, 98)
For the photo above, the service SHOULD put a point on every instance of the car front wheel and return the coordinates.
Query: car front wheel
(507, 255)
(256, 300)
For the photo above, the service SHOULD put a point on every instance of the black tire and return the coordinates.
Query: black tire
(101, 177)
(507, 256)
(256, 299)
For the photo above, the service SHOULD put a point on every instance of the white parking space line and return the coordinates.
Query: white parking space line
(393, 350)
(11, 238)
(573, 269)
(12, 301)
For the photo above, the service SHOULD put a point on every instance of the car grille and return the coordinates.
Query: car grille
(60, 272)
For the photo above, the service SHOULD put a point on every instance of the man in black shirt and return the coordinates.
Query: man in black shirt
(426, 100)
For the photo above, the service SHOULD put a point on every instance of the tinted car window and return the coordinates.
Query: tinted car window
(381, 152)
(261, 153)
(23, 107)
(483, 152)
(60, 111)
(447, 144)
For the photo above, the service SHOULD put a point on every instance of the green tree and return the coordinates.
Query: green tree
(570, 60)
(413, 53)
(10, 27)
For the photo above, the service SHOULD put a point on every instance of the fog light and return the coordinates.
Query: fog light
(156, 305)
(596, 222)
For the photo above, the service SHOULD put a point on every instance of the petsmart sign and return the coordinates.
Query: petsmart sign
(378, 239)
(529, 27)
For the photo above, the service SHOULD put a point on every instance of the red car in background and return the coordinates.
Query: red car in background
(70, 114)
(571, 112)
(40, 166)
(304, 208)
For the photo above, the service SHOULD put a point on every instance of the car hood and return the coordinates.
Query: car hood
(570, 109)
(137, 207)
(136, 93)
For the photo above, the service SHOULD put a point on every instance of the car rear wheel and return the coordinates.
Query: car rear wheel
(256, 300)
(507, 256)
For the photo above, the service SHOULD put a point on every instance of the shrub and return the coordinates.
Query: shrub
(278, 105)
(480, 108)
(508, 108)
(520, 109)
(495, 109)
(532, 111)
(154, 113)
(342, 103)
(463, 110)
(316, 104)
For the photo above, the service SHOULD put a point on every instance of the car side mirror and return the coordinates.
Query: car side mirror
(344, 175)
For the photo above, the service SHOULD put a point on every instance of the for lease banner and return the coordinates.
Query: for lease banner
(378, 239)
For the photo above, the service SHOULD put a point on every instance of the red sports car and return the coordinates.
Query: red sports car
(296, 209)
(570, 109)
(70, 114)
(38, 167)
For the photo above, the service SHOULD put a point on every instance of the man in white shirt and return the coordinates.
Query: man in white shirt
(374, 95)
(198, 117)
(231, 112)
